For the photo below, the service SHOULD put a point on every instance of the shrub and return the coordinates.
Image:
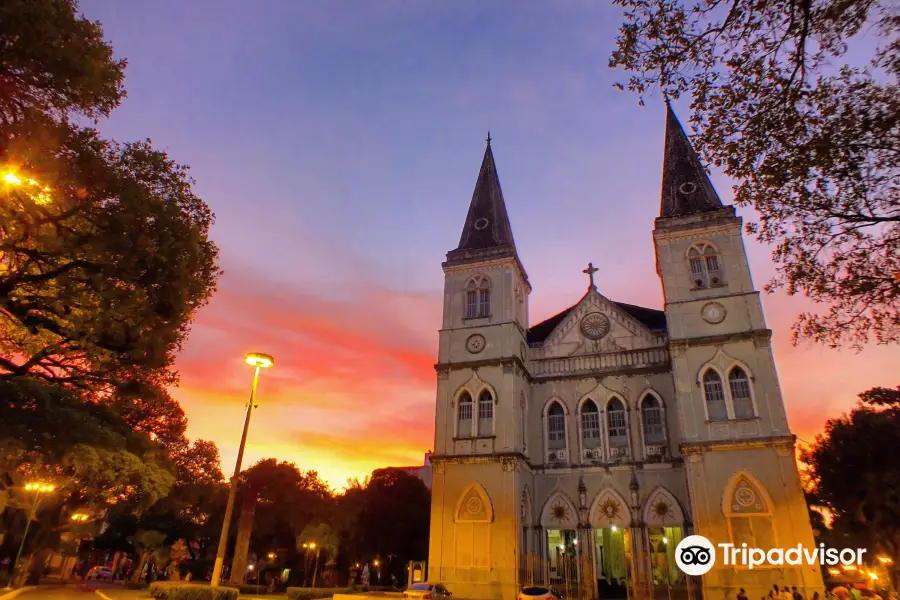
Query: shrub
(175, 590)
(305, 593)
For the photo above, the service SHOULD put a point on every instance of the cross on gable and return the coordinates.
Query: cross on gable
(591, 269)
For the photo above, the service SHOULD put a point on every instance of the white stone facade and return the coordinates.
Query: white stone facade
(577, 452)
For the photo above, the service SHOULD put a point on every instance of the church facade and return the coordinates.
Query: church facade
(579, 451)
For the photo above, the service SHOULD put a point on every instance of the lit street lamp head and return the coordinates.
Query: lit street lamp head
(40, 487)
(259, 360)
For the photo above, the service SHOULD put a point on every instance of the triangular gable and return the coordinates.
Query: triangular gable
(597, 324)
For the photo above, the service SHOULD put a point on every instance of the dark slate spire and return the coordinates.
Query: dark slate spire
(487, 224)
(686, 188)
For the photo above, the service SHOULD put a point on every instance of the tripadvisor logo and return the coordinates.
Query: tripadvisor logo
(696, 555)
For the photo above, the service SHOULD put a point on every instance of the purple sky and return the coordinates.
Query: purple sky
(338, 144)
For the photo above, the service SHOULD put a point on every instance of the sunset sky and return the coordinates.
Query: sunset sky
(338, 143)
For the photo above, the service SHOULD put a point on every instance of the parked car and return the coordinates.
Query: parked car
(538, 592)
(426, 591)
(100, 574)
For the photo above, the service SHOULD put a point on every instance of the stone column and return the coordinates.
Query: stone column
(242, 545)
(540, 550)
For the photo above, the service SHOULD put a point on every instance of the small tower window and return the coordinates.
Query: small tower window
(478, 297)
(590, 424)
(485, 414)
(654, 430)
(740, 394)
(715, 396)
(616, 423)
(705, 268)
(556, 427)
(464, 416)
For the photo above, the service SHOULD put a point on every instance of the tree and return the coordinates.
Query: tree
(856, 477)
(104, 269)
(146, 544)
(812, 141)
(288, 500)
(55, 63)
(152, 410)
(390, 516)
(104, 246)
(49, 431)
(313, 541)
(199, 463)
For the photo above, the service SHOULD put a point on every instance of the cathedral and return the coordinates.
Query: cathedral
(578, 452)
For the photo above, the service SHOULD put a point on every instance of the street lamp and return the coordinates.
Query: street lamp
(259, 361)
(38, 488)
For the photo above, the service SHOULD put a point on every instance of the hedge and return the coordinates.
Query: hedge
(305, 593)
(178, 590)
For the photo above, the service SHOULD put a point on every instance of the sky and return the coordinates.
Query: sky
(338, 144)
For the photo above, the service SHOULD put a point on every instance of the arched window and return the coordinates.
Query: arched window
(485, 414)
(715, 396)
(478, 297)
(749, 514)
(616, 423)
(652, 418)
(556, 427)
(590, 424)
(705, 268)
(464, 416)
(741, 399)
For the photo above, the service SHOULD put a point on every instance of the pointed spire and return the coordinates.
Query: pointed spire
(487, 224)
(686, 188)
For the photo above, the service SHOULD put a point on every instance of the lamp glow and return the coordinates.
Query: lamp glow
(259, 360)
(11, 179)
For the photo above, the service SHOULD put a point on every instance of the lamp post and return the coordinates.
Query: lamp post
(38, 489)
(259, 361)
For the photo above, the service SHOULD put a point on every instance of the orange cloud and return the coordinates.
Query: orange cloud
(344, 365)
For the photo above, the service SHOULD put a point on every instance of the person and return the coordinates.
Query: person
(773, 593)
(815, 596)
(786, 593)
(795, 594)
(742, 595)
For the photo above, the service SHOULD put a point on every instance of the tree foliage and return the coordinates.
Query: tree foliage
(813, 141)
(55, 63)
(856, 476)
(389, 516)
(85, 448)
(104, 270)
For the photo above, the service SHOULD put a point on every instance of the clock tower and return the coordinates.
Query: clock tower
(481, 401)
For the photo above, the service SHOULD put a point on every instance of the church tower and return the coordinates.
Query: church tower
(738, 450)
(480, 407)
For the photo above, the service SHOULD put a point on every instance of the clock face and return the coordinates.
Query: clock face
(475, 343)
(481, 223)
(713, 313)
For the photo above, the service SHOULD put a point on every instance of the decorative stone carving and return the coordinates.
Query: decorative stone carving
(746, 498)
(595, 326)
(559, 513)
(713, 313)
(662, 510)
(508, 463)
(609, 508)
(475, 343)
(439, 467)
(474, 506)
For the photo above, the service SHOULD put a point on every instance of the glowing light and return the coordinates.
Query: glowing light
(40, 487)
(665, 540)
(614, 528)
(357, 565)
(375, 562)
(873, 576)
(885, 560)
(250, 567)
(849, 567)
(11, 179)
(312, 545)
(271, 556)
(260, 360)
(834, 571)
(81, 517)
